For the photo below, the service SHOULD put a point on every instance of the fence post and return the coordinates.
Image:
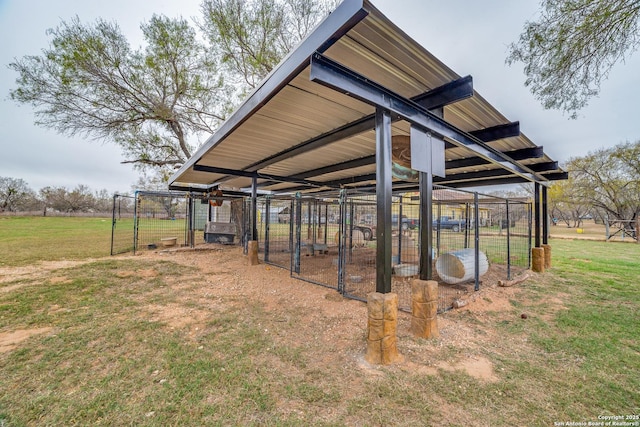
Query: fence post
(113, 222)
(509, 241)
(135, 221)
(476, 226)
(298, 238)
(342, 226)
(267, 223)
(400, 231)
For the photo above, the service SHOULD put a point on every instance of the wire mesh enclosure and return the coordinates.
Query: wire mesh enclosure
(151, 220)
(477, 238)
(330, 239)
(122, 224)
(163, 220)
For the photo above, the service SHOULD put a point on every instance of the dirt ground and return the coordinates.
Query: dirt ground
(339, 324)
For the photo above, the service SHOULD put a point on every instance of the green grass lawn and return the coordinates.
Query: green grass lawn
(576, 356)
(26, 240)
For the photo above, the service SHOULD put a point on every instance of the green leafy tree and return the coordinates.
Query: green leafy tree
(254, 35)
(152, 102)
(570, 49)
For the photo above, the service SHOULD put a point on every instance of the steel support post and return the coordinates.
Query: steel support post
(135, 221)
(426, 230)
(476, 241)
(309, 220)
(383, 204)
(351, 219)
(326, 222)
(267, 223)
(425, 185)
(438, 231)
(254, 208)
(536, 213)
(467, 224)
(400, 232)
(509, 242)
(291, 231)
(113, 221)
(545, 217)
(342, 224)
(190, 219)
(245, 231)
(298, 237)
(529, 221)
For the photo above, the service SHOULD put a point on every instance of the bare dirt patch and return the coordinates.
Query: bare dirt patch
(41, 269)
(225, 279)
(10, 340)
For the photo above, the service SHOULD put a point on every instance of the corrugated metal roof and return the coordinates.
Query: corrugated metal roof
(276, 130)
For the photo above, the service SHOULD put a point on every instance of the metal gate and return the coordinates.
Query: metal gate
(122, 220)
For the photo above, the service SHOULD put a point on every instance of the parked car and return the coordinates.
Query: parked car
(369, 229)
(447, 223)
(406, 224)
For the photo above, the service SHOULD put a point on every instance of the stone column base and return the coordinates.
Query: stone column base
(382, 324)
(547, 255)
(252, 252)
(424, 308)
(537, 260)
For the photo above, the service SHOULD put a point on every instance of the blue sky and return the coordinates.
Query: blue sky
(470, 37)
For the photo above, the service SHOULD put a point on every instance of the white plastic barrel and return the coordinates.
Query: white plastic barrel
(459, 266)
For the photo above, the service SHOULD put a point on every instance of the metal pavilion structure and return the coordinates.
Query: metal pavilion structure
(325, 117)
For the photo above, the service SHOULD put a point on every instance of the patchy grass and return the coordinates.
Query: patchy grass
(26, 240)
(154, 342)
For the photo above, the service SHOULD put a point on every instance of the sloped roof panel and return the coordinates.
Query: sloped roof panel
(291, 125)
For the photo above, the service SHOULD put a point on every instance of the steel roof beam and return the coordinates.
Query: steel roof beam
(349, 164)
(556, 176)
(214, 169)
(448, 93)
(545, 166)
(521, 154)
(413, 186)
(449, 180)
(344, 80)
(443, 95)
(495, 133)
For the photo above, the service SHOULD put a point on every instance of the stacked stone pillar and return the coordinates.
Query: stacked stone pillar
(382, 324)
(252, 252)
(537, 260)
(547, 255)
(424, 308)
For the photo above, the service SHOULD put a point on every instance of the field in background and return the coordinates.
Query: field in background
(589, 230)
(198, 338)
(26, 240)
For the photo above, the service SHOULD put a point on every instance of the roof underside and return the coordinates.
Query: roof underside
(292, 129)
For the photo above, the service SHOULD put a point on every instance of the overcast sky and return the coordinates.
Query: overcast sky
(471, 37)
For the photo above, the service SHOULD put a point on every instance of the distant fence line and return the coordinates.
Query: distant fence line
(106, 214)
